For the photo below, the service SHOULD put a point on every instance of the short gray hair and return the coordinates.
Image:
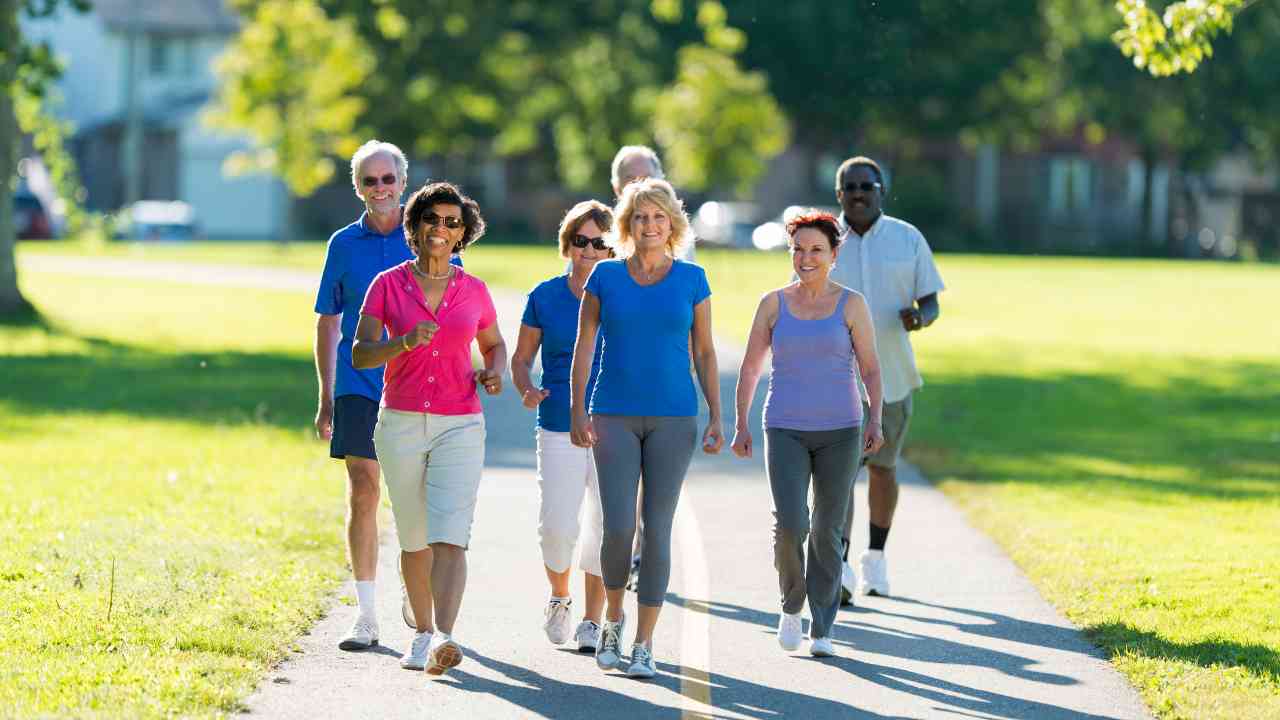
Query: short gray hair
(377, 147)
(626, 152)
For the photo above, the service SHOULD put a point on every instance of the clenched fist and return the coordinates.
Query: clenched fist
(490, 380)
(421, 334)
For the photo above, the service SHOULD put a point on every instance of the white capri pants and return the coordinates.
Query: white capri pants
(567, 473)
(432, 466)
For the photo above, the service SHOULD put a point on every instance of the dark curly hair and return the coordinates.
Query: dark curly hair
(824, 222)
(442, 193)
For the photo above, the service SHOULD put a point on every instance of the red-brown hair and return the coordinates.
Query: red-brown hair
(823, 222)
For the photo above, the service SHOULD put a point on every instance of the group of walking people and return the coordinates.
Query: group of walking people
(617, 405)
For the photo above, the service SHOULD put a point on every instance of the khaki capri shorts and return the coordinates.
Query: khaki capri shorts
(432, 466)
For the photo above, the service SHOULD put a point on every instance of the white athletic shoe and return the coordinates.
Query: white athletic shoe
(444, 654)
(609, 651)
(406, 610)
(362, 635)
(642, 667)
(848, 584)
(587, 636)
(874, 576)
(557, 618)
(822, 647)
(416, 658)
(790, 631)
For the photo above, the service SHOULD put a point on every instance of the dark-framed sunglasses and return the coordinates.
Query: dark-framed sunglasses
(450, 221)
(581, 241)
(863, 186)
(371, 181)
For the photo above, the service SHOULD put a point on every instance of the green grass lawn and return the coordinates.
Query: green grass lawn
(170, 525)
(1114, 425)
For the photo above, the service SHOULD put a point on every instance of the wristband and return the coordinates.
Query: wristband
(404, 342)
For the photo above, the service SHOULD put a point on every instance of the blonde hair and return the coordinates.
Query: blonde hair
(578, 216)
(656, 192)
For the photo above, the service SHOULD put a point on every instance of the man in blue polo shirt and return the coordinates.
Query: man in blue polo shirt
(349, 398)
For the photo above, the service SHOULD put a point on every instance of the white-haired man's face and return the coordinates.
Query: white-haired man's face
(631, 169)
(379, 185)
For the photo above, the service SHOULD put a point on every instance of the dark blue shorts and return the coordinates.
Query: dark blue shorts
(354, 417)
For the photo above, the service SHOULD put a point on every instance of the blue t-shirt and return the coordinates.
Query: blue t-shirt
(356, 254)
(645, 367)
(553, 309)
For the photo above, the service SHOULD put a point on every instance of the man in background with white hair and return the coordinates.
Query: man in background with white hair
(348, 403)
(634, 162)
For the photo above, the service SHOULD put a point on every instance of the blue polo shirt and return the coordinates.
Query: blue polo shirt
(356, 254)
(645, 367)
(553, 308)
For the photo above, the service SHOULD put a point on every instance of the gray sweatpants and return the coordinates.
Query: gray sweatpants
(830, 458)
(627, 448)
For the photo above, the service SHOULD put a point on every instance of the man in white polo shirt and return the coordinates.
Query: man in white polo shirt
(889, 262)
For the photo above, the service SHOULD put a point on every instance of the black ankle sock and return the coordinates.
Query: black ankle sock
(878, 536)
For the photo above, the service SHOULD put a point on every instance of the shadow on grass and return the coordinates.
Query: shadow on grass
(1208, 429)
(1122, 638)
(215, 388)
(25, 317)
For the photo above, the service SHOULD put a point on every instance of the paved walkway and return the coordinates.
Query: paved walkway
(965, 635)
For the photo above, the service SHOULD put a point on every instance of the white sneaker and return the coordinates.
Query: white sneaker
(406, 610)
(609, 651)
(822, 647)
(416, 658)
(362, 635)
(587, 636)
(790, 631)
(444, 654)
(874, 576)
(642, 666)
(557, 618)
(848, 584)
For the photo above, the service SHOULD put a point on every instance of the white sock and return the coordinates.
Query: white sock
(365, 599)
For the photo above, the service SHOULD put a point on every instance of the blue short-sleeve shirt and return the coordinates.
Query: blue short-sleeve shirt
(645, 365)
(356, 254)
(553, 308)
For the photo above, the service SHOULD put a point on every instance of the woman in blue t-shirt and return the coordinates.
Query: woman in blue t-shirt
(643, 411)
(566, 472)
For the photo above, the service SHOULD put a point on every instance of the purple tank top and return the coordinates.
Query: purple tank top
(812, 386)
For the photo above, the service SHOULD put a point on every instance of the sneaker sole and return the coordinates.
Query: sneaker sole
(446, 656)
(644, 674)
(352, 645)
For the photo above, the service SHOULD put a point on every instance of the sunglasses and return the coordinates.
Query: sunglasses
(581, 241)
(863, 186)
(371, 181)
(450, 221)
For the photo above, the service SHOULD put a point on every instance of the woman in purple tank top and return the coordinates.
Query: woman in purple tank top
(820, 334)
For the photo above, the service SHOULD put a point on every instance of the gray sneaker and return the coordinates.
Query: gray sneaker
(609, 651)
(362, 635)
(642, 666)
(556, 621)
(587, 636)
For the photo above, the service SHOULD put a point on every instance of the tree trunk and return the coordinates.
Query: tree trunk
(1144, 220)
(11, 300)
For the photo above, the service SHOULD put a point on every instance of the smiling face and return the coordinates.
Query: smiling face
(812, 254)
(379, 196)
(861, 194)
(436, 239)
(585, 258)
(650, 226)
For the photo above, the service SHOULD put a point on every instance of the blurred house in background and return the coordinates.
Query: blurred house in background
(175, 43)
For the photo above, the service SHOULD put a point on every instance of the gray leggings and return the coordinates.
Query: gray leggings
(659, 449)
(830, 457)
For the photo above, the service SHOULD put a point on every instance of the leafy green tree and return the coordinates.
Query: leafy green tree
(26, 70)
(1177, 40)
(288, 80)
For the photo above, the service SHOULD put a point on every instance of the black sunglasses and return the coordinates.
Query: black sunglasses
(581, 241)
(863, 186)
(371, 181)
(450, 221)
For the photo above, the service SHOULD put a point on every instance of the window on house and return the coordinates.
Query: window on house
(1070, 185)
(159, 49)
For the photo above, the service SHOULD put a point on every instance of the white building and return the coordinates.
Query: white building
(181, 159)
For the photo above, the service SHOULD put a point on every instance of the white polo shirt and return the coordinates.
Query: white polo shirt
(892, 267)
